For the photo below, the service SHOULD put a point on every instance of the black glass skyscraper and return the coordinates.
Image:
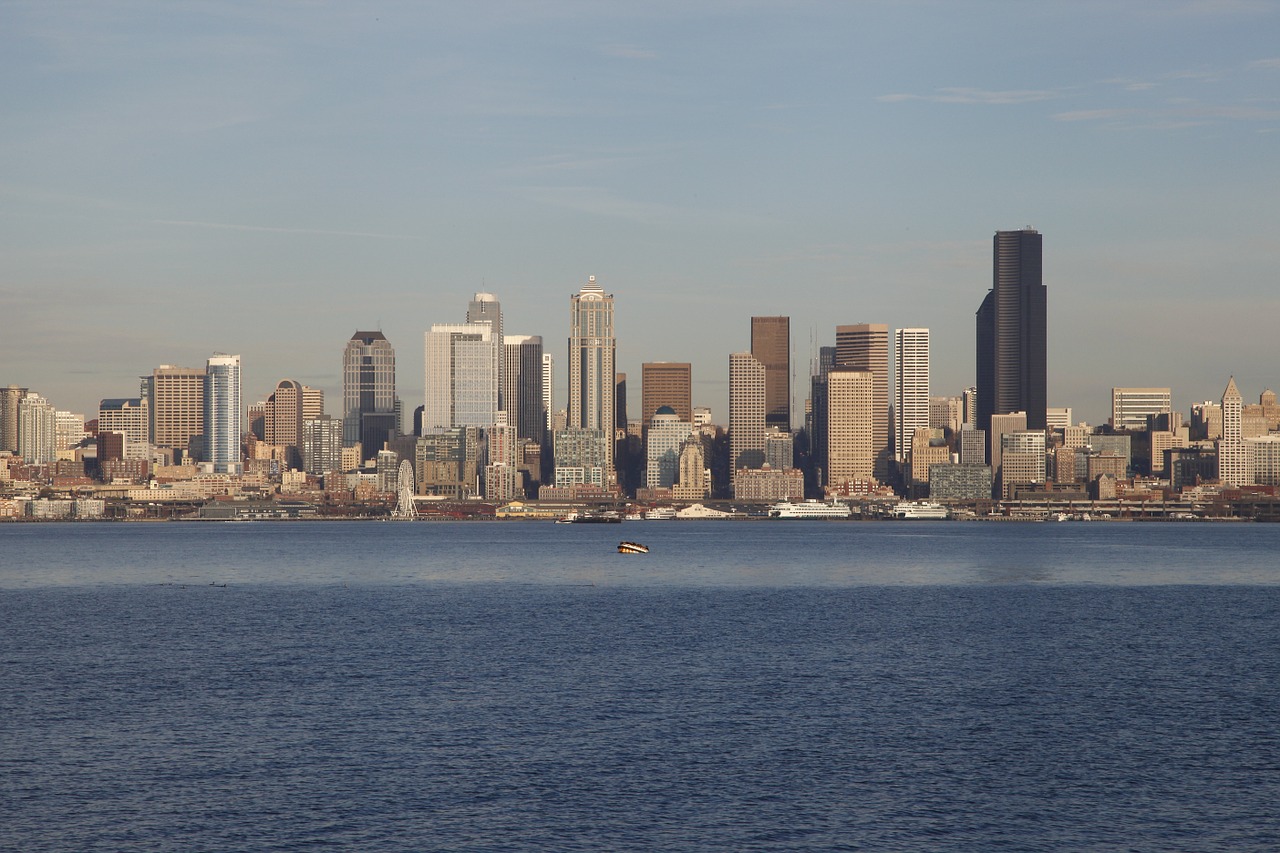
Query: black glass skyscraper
(1012, 333)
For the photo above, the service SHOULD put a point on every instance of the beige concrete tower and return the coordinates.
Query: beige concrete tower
(592, 351)
(851, 434)
(865, 347)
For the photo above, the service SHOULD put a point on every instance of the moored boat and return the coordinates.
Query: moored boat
(809, 509)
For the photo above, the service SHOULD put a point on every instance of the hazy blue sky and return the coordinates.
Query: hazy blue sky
(265, 178)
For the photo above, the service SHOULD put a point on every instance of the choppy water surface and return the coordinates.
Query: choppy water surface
(743, 687)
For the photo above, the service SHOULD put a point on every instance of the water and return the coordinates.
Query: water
(746, 686)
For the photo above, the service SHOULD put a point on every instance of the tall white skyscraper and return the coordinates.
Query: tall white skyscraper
(1233, 461)
(548, 386)
(591, 363)
(910, 387)
(222, 413)
(461, 377)
(747, 410)
(37, 429)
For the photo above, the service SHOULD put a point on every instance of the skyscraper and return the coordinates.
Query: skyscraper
(368, 391)
(461, 377)
(1130, 407)
(10, 397)
(910, 388)
(176, 399)
(37, 430)
(288, 407)
(865, 347)
(485, 308)
(1012, 332)
(746, 412)
(591, 363)
(522, 386)
(222, 413)
(771, 345)
(666, 383)
(1233, 461)
(852, 449)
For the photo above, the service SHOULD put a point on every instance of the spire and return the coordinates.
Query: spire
(1232, 393)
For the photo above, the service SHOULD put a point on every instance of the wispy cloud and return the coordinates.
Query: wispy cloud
(322, 232)
(975, 96)
(1181, 113)
(1266, 63)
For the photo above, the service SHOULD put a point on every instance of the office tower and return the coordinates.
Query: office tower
(1057, 417)
(746, 412)
(10, 397)
(817, 417)
(1012, 332)
(910, 388)
(1022, 460)
(522, 393)
(1233, 462)
(667, 383)
(1000, 425)
(288, 407)
(548, 386)
(973, 446)
(222, 413)
(1130, 407)
(322, 439)
(865, 347)
(68, 429)
(946, 413)
(592, 379)
(176, 401)
(369, 391)
(582, 457)
(694, 483)
(771, 345)
(129, 416)
(667, 434)
(1206, 421)
(461, 377)
(852, 446)
(779, 449)
(485, 308)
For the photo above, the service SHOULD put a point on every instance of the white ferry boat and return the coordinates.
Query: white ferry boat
(809, 509)
(660, 513)
(920, 509)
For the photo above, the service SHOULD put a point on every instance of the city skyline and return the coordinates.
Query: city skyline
(346, 169)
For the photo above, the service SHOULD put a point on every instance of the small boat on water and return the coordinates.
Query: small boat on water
(632, 548)
(590, 518)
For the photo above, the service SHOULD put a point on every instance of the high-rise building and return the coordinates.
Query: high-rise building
(865, 347)
(548, 386)
(485, 308)
(1022, 460)
(746, 412)
(322, 444)
(176, 399)
(852, 446)
(10, 397)
(37, 430)
(1012, 333)
(369, 398)
(592, 378)
(910, 389)
(969, 402)
(1001, 425)
(522, 393)
(222, 413)
(667, 434)
(129, 416)
(288, 407)
(1233, 459)
(816, 421)
(666, 383)
(771, 345)
(461, 377)
(1130, 407)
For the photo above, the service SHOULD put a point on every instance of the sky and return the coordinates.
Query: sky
(265, 178)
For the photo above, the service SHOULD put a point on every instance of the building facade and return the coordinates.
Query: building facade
(368, 390)
(771, 346)
(461, 371)
(175, 397)
(222, 416)
(1233, 461)
(522, 386)
(851, 435)
(746, 412)
(666, 383)
(911, 409)
(1012, 348)
(1130, 407)
(865, 347)
(592, 377)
